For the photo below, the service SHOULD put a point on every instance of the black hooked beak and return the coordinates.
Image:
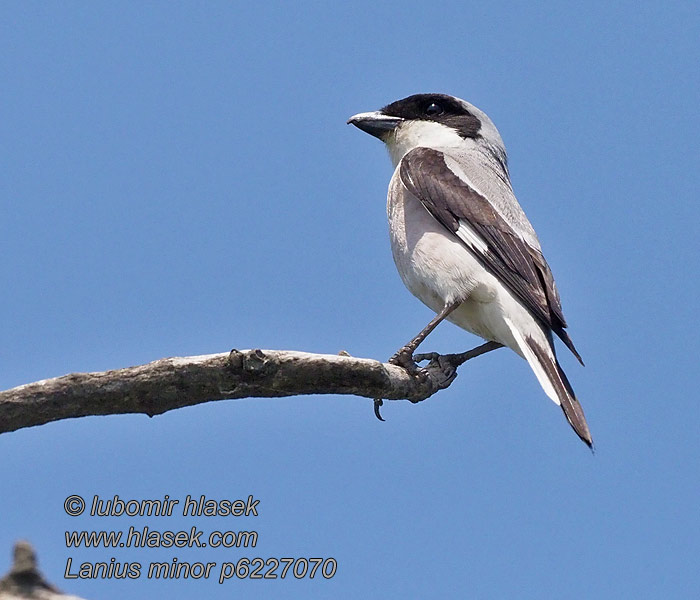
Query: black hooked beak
(375, 123)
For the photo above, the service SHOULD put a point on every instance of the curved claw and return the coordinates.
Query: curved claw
(378, 402)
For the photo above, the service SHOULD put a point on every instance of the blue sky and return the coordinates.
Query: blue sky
(178, 179)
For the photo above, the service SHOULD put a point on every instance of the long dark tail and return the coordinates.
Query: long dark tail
(547, 361)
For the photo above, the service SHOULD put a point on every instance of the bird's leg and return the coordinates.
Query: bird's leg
(404, 356)
(442, 368)
(455, 360)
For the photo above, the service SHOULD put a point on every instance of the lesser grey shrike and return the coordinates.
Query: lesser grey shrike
(461, 242)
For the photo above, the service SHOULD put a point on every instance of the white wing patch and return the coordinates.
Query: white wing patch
(466, 233)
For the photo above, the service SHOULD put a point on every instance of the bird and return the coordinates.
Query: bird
(461, 241)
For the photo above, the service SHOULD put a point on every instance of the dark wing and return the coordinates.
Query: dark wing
(474, 221)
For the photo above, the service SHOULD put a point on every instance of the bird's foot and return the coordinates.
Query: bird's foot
(442, 368)
(404, 358)
(431, 356)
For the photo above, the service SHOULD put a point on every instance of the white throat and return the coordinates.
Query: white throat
(422, 134)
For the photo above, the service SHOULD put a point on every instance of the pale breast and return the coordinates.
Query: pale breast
(433, 264)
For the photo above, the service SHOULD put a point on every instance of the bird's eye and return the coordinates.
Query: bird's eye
(434, 109)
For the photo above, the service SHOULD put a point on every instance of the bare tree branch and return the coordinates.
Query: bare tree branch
(171, 383)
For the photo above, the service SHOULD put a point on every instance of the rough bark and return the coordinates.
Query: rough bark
(172, 383)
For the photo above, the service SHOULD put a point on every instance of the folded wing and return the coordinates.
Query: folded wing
(475, 222)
